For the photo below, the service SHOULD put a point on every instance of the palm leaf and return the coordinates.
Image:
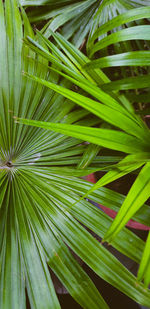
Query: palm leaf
(78, 19)
(129, 48)
(139, 193)
(20, 247)
(38, 216)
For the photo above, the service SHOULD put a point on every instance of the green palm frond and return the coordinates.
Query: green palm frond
(144, 268)
(77, 19)
(121, 48)
(27, 234)
(131, 135)
(41, 217)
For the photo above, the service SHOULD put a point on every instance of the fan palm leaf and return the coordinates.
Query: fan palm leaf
(23, 258)
(77, 19)
(38, 216)
(132, 128)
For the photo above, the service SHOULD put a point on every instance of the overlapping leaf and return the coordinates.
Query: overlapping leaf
(20, 247)
(38, 214)
(78, 19)
(139, 193)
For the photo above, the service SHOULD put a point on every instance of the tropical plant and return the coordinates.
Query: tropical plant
(42, 215)
(77, 18)
(114, 108)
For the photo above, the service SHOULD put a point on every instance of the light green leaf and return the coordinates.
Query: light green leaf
(143, 271)
(134, 58)
(107, 138)
(138, 194)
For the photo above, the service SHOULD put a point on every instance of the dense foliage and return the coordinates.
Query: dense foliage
(100, 98)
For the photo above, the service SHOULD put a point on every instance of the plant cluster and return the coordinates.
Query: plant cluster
(74, 99)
